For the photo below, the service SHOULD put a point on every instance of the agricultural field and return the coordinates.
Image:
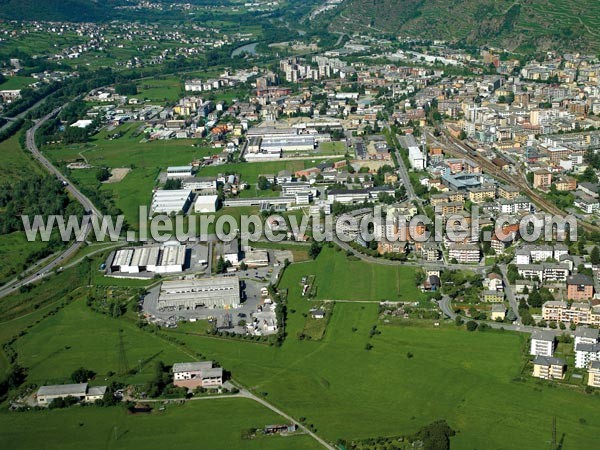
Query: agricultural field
(189, 426)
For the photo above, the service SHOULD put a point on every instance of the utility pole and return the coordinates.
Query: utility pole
(553, 445)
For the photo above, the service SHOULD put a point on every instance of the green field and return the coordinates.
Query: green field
(16, 82)
(16, 163)
(159, 90)
(339, 278)
(473, 380)
(333, 148)
(190, 426)
(14, 251)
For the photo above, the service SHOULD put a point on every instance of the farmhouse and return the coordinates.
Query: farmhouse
(80, 391)
(197, 374)
(223, 292)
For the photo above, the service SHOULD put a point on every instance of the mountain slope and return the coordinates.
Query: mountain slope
(527, 23)
(57, 10)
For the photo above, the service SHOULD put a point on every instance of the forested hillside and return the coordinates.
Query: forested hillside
(540, 24)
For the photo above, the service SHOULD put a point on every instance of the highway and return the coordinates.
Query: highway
(56, 262)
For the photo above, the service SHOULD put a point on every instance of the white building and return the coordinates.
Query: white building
(166, 258)
(542, 343)
(179, 172)
(206, 204)
(587, 346)
(231, 252)
(80, 391)
(417, 159)
(197, 374)
(178, 295)
(171, 201)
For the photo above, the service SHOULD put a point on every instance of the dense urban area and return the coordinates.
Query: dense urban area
(486, 335)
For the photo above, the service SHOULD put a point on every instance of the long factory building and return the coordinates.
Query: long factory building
(166, 258)
(221, 292)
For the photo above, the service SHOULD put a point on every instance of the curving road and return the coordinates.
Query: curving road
(56, 262)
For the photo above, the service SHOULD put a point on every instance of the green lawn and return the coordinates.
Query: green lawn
(214, 424)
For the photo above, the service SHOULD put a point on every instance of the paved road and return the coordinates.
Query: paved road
(510, 295)
(88, 206)
(445, 305)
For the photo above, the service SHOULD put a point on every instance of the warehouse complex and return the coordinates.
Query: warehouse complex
(171, 201)
(167, 258)
(223, 293)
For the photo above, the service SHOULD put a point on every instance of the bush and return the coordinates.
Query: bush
(471, 325)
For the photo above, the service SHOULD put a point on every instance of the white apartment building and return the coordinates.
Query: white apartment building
(542, 343)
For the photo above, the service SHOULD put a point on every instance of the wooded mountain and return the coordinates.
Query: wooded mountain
(524, 24)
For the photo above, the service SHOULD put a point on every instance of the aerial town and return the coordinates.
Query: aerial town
(262, 201)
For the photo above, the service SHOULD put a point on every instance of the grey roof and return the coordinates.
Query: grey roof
(542, 335)
(588, 348)
(212, 372)
(589, 333)
(595, 365)
(548, 361)
(192, 366)
(498, 308)
(96, 390)
(580, 279)
(64, 390)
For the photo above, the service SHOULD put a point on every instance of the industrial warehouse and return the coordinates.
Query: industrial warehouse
(223, 292)
(167, 258)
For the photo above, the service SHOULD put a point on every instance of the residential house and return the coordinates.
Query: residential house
(580, 287)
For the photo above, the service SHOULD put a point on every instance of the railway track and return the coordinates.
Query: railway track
(460, 149)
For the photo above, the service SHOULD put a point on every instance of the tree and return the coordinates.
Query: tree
(462, 135)
(82, 375)
(103, 174)
(263, 183)
(436, 436)
(243, 266)
(535, 299)
(595, 256)
(315, 249)
(172, 184)
(222, 265)
(471, 325)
